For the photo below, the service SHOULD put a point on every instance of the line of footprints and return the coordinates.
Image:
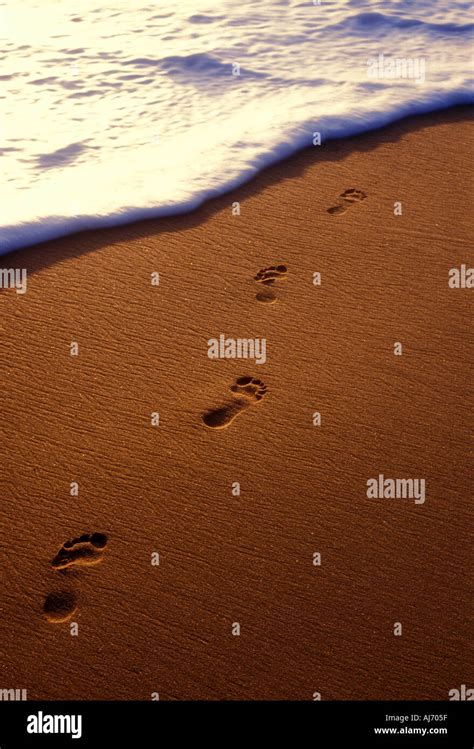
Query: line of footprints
(89, 548)
(249, 390)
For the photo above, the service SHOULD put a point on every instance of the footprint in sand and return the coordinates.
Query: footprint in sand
(87, 549)
(248, 390)
(267, 277)
(348, 197)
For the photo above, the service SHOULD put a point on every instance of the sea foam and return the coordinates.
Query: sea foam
(122, 111)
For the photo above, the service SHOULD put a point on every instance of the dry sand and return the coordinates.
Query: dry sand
(167, 489)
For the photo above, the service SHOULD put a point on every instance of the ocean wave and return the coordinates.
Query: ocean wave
(120, 113)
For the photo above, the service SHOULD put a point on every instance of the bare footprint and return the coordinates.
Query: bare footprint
(348, 197)
(60, 605)
(86, 549)
(267, 277)
(248, 390)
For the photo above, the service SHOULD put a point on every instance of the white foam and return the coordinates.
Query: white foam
(117, 113)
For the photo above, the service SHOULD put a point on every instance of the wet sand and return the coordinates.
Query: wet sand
(169, 488)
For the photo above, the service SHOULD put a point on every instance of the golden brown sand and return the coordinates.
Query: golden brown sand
(170, 628)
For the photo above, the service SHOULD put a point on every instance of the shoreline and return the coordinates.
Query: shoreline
(170, 487)
(287, 167)
(145, 215)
